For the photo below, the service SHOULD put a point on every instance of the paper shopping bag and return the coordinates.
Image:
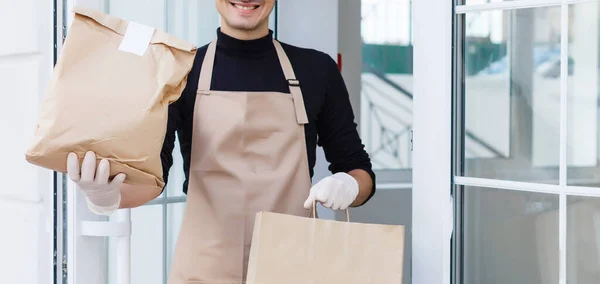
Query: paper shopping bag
(109, 93)
(299, 250)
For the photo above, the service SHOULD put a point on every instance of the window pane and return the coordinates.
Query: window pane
(583, 240)
(174, 185)
(146, 247)
(386, 91)
(509, 237)
(583, 89)
(174, 218)
(512, 94)
(152, 13)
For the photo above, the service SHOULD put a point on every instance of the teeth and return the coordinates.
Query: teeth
(247, 8)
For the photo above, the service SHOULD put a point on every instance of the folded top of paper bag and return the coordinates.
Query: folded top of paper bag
(119, 26)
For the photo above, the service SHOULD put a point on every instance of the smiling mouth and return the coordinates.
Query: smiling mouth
(245, 7)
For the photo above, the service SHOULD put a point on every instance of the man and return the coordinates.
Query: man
(248, 121)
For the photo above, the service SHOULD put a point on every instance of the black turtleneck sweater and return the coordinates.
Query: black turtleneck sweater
(254, 66)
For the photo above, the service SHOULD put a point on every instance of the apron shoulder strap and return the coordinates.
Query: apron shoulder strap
(207, 68)
(288, 71)
(293, 83)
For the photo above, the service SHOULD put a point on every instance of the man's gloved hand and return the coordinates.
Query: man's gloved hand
(337, 192)
(103, 196)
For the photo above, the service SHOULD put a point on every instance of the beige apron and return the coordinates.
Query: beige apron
(248, 155)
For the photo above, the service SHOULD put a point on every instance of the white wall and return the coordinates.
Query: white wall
(25, 209)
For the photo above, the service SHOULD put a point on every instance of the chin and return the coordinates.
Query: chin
(243, 25)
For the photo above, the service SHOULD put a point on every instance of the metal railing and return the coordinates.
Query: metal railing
(388, 141)
(369, 89)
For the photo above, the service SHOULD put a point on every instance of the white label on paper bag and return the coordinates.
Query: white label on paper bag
(137, 38)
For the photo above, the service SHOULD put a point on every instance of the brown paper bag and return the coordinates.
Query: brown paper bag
(290, 249)
(109, 93)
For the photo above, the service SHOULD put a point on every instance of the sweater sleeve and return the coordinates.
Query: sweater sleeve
(180, 120)
(166, 154)
(337, 130)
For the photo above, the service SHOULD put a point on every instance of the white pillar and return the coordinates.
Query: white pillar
(123, 249)
(432, 141)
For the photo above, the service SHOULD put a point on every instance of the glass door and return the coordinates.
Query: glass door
(526, 169)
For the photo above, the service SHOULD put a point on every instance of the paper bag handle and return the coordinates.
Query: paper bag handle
(314, 212)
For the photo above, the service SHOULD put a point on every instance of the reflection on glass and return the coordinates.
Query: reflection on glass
(583, 240)
(386, 90)
(174, 218)
(583, 90)
(512, 94)
(146, 247)
(509, 237)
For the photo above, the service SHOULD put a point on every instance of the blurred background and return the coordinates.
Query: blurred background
(508, 76)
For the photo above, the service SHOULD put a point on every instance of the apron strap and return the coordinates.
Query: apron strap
(294, 84)
(207, 69)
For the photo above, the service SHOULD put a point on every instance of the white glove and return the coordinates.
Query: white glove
(103, 197)
(337, 192)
